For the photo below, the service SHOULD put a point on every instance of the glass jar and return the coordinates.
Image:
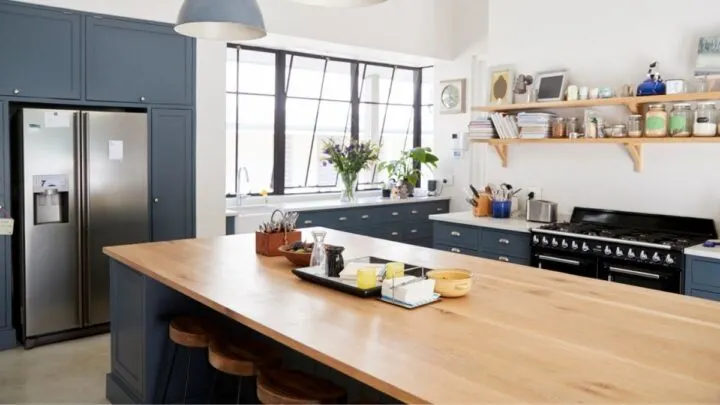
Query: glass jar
(558, 127)
(573, 128)
(634, 125)
(619, 131)
(681, 119)
(319, 254)
(705, 123)
(656, 121)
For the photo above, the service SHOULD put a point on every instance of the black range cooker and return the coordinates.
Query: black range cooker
(624, 247)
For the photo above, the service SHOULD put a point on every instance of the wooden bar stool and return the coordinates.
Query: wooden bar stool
(296, 387)
(189, 332)
(241, 359)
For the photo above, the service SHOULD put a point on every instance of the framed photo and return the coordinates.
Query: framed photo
(708, 56)
(452, 96)
(502, 80)
(551, 86)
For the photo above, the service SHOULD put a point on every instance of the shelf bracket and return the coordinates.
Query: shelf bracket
(634, 108)
(635, 151)
(502, 151)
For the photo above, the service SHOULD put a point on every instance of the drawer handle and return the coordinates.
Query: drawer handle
(503, 241)
(504, 259)
(455, 250)
(413, 231)
(455, 234)
(16, 91)
(365, 216)
(308, 222)
(414, 212)
(395, 214)
(395, 234)
(343, 218)
(143, 99)
(439, 210)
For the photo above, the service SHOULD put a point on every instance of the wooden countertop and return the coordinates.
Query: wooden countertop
(522, 335)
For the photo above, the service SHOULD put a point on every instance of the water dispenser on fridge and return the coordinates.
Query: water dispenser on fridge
(50, 199)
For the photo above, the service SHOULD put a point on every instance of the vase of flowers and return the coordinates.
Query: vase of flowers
(348, 160)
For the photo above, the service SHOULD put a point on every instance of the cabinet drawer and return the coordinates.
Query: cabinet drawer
(420, 230)
(416, 212)
(505, 243)
(426, 243)
(317, 218)
(456, 249)
(705, 272)
(393, 213)
(709, 295)
(456, 235)
(393, 232)
(508, 259)
(366, 216)
(436, 207)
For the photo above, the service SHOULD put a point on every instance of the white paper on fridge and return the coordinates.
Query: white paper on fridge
(7, 225)
(115, 150)
(58, 119)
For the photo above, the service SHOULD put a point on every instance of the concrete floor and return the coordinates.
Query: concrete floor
(68, 372)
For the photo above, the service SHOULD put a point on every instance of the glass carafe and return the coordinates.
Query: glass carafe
(319, 255)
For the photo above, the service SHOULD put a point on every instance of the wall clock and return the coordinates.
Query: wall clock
(452, 96)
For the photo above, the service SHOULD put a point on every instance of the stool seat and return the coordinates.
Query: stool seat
(296, 387)
(241, 358)
(189, 332)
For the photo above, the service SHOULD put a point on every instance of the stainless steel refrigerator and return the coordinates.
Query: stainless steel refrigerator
(84, 186)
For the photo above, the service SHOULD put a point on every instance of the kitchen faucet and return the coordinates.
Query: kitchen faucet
(242, 179)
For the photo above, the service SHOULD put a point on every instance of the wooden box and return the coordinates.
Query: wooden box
(484, 205)
(267, 244)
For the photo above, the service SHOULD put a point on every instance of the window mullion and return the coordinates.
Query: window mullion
(417, 117)
(278, 176)
(317, 116)
(387, 107)
(237, 118)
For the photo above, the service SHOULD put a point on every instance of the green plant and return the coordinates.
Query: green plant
(405, 169)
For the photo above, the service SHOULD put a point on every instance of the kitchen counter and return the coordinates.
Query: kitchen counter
(521, 335)
(702, 251)
(467, 218)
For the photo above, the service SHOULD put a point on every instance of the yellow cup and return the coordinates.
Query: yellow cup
(394, 270)
(367, 278)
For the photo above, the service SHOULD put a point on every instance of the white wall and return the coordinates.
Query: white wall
(536, 36)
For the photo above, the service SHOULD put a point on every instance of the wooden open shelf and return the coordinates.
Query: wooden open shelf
(632, 145)
(634, 104)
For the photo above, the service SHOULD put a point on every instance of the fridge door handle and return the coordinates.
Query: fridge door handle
(79, 200)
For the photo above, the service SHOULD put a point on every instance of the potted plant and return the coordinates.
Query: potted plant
(348, 161)
(406, 172)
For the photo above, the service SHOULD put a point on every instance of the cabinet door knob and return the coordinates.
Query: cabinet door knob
(395, 214)
(16, 91)
(439, 210)
(455, 234)
(414, 212)
(504, 259)
(413, 231)
(395, 234)
(156, 200)
(143, 99)
(455, 250)
(308, 222)
(365, 216)
(343, 218)
(503, 241)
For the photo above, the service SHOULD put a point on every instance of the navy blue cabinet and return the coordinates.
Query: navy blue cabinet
(134, 62)
(494, 244)
(702, 277)
(7, 333)
(172, 174)
(40, 50)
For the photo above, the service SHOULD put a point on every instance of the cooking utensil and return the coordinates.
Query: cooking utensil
(471, 202)
(474, 191)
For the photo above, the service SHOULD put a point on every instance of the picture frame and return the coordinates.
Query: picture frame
(502, 81)
(452, 96)
(551, 85)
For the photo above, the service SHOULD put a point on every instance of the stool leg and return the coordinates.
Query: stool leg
(169, 374)
(187, 376)
(240, 390)
(212, 387)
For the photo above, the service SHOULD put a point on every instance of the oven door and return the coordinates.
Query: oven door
(656, 278)
(564, 263)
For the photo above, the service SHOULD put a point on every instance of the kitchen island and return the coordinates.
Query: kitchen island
(522, 335)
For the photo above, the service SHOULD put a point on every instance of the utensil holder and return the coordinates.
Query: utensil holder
(484, 205)
(501, 209)
(267, 244)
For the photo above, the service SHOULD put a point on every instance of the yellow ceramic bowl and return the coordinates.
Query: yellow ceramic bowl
(451, 283)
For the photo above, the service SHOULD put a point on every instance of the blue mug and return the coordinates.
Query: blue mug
(501, 209)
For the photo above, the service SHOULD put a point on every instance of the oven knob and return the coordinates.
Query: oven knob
(669, 259)
(575, 245)
(656, 257)
(536, 240)
(619, 252)
(607, 251)
(564, 244)
(631, 254)
(555, 243)
(545, 241)
(643, 255)
(585, 247)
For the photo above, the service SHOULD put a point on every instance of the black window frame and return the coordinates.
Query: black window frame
(282, 81)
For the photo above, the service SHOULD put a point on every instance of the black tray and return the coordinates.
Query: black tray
(311, 274)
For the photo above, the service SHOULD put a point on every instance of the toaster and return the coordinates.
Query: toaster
(541, 211)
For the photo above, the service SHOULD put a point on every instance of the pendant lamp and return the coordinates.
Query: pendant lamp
(340, 3)
(221, 20)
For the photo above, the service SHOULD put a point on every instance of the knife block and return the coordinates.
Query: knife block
(267, 244)
(484, 205)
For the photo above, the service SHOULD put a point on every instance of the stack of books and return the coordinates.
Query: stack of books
(505, 125)
(534, 125)
(481, 129)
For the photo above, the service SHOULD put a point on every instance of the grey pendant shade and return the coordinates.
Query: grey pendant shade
(222, 20)
(340, 3)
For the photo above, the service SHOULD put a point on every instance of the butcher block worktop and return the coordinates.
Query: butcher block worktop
(522, 335)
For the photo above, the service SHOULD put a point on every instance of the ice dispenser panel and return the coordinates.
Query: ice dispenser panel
(50, 199)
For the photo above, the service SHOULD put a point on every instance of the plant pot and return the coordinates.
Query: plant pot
(405, 189)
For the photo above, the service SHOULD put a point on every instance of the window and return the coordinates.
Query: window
(282, 106)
